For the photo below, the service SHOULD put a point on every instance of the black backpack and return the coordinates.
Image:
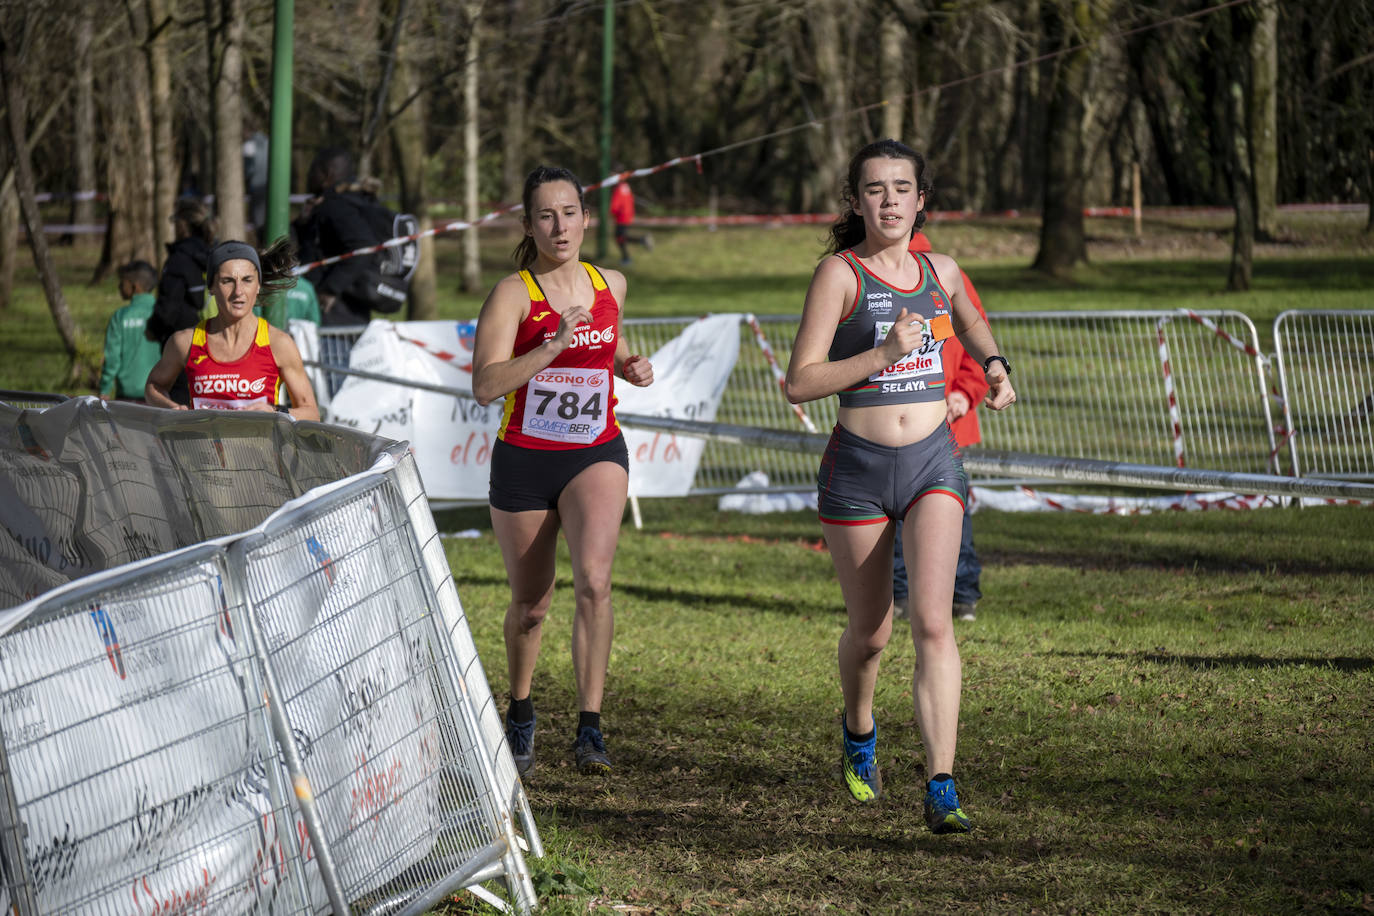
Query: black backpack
(386, 281)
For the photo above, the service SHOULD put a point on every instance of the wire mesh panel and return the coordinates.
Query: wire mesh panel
(335, 345)
(22, 399)
(463, 659)
(391, 747)
(137, 749)
(753, 397)
(1326, 372)
(1158, 388)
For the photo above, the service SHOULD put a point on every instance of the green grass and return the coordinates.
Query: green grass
(1168, 713)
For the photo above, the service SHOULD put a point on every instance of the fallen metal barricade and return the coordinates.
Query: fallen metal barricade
(288, 719)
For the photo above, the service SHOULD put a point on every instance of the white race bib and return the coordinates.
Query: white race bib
(924, 360)
(567, 405)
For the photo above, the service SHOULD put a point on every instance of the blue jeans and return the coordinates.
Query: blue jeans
(966, 574)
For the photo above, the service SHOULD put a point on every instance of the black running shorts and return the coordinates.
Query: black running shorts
(529, 479)
(863, 483)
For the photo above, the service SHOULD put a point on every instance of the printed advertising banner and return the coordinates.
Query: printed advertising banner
(452, 437)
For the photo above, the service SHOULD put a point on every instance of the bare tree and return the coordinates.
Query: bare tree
(225, 38)
(892, 41)
(83, 121)
(127, 130)
(1232, 51)
(9, 236)
(151, 22)
(408, 139)
(830, 144)
(1063, 243)
(1263, 116)
(472, 253)
(82, 372)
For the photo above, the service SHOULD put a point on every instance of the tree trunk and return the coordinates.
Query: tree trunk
(83, 127)
(1063, 242)
(512, 130)
(1264, 114)
(472, 252)
(129, 233)
(1241, 179)
(9, 242)
(226, 82)
(408, 140)
(891, 48)
(165, 171)
(33, 220)
(830, 147)
(377, 122)
(1369, 190)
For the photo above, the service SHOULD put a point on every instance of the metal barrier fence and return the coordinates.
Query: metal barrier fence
(291, 719)
(1164, 388)
(1326, 377)
(1145, 387)
(1154, 388)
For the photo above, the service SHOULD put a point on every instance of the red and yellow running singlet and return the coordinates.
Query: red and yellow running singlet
(248, 381)
(571, 404)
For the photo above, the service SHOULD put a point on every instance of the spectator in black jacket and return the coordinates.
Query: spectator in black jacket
(336, 221)
(181, 288)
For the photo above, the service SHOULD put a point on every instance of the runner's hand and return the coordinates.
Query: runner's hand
(906, 334)
(638, 371)
(574, 318)
(956, 405)
(1000, 393)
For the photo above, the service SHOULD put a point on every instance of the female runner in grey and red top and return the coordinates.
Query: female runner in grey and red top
(548, 340)
(871, 331)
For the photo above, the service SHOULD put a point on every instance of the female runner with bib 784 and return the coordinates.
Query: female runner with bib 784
(549, 341)
(872, 331)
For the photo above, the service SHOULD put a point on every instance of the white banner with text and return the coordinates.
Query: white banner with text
(452, 436)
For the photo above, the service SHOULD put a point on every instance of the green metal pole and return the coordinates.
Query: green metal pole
(279, 148)
(603, 221)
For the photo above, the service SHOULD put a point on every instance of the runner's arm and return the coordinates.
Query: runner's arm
(292, 371)
(495, 373)
(164, 374)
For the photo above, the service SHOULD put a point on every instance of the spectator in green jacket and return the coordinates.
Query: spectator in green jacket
(129, 354)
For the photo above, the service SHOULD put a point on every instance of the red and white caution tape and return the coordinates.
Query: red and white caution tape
(778, 375)
(456, 360)
(1226, 336)
(458, 225)
(1175, 418)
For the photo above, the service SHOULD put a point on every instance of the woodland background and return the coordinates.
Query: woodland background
(1033, 105)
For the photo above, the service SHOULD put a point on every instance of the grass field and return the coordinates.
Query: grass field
(1162, 714)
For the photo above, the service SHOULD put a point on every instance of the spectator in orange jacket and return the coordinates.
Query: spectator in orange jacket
(965, 388)
(623, 213)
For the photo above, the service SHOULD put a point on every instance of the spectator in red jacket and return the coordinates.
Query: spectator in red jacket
(623, 213)
(965, 388)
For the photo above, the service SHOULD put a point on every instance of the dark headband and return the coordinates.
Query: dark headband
(231, 251)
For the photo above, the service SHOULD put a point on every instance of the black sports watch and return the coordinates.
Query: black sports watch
(1006, 366)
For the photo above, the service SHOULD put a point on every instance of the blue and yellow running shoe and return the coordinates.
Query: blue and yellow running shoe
(860, 766)
(943, 812)
(590, 752)
(520, 737)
